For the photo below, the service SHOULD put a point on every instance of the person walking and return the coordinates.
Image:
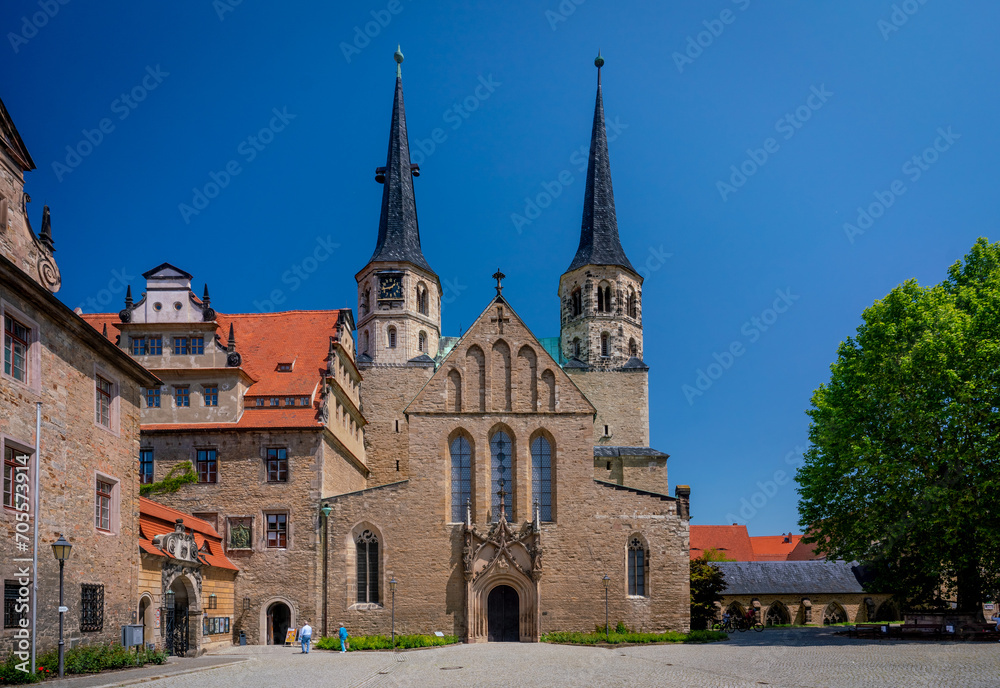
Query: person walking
(343, 638)
(996, 619)
(305, 635)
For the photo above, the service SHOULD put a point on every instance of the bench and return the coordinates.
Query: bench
(979, 632)
(868, 629)
(920, 630)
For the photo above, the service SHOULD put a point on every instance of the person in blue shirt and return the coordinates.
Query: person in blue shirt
(305, 635)
(343, 638)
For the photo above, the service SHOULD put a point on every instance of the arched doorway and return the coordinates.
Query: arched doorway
(176, 626)
(146, 619)
(503, 609)
(279, 620)
(887, 611)
(777, 615)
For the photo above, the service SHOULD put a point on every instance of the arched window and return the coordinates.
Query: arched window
(576, 299)
(541, 477)
(422, 341)
(365, 343)
(391, 332)
(422, 299)
(501, 456)
(366, 302)
(777, 615)
(461, 477)
(367, 567)
(633, 348)
(605, 344)
(633, 309)
(600, 300)
(607, 299)
(576, 347)
(604, 299)
(637, 562)
(834, 614)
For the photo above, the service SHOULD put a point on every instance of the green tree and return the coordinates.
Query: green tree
(713, 554)
(707, 584)
(903, 470)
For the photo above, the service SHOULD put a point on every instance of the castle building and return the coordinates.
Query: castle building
(69, 437)
(486, 483)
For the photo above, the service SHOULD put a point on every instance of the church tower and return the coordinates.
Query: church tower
(399, 295)
(600, 298)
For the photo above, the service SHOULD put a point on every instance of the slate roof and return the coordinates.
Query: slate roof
(606, 450)
(599, 242)
(11, 140)
(398, 234)
(790, 577)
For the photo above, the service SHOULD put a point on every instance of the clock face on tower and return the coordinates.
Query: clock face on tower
(390, 287)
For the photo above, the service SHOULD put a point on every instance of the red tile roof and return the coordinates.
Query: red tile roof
(157, 519)
(773, 547)
(733, 542)
(252, 419)
(264, 340)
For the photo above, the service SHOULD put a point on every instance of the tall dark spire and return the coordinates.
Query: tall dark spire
(599, 242)
(398, 234)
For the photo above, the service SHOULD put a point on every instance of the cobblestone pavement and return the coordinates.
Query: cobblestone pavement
(800, 657)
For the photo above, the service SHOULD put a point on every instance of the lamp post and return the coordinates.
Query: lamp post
(607, 584)
(61, 549)
(392, 589)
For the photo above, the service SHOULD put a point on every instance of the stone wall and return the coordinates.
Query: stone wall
(852, 603)
(622, 401)
(74, 450)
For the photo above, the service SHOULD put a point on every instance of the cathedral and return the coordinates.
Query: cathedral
(365, 469)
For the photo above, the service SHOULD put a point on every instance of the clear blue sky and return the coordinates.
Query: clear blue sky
(681, 123)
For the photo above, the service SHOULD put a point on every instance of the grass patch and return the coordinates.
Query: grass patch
(382, 642)
(87, 659)
(616, 637)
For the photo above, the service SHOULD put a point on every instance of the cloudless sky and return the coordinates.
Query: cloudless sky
(680, 123)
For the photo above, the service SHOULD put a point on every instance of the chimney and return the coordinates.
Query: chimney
(683, 494)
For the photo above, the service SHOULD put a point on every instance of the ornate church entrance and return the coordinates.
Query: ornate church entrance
(503, 611)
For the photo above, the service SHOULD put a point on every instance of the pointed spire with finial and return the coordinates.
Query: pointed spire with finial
(231, 347)
(128, 296)
(205, 298)
(398, 232)
(599, 240)
(45, 236)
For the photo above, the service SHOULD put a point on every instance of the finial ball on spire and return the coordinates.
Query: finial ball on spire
(599, 61)
(398, 56)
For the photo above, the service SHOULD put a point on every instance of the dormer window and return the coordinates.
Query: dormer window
(289, 401)
(275, 401)
(260, 401)
(304, 401)
(285, 367)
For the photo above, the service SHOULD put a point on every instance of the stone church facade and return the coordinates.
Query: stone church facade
(496, 479)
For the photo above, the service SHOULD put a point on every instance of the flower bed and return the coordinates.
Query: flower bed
(86, 659)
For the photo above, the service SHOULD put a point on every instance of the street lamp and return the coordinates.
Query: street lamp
(607, 584)
(61, 549)
(392, 588)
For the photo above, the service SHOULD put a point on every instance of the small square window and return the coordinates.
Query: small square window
(197, 345)
(211, 396)
(182, 396)
(207, 466)
(284, 367)
(277, 530)
(139, 346)
(152, 397)
(154, 346)
(180, 346)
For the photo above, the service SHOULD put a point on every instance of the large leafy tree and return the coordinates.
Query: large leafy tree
(903, 469)
(707, 584)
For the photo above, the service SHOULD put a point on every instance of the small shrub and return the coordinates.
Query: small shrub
(382, 642)
(9, 673)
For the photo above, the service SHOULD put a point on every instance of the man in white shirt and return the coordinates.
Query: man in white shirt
(305, 635)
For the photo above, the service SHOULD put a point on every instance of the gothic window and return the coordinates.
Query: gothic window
(422, 342)
(391, 337)
(605, 344)
(834, 614)
(541, 476)
(501, 456)
(366, 301)
(364, 339)
(633, 349)
(576, 347)
(461, 477)
(422, 299)
(367, 567)
(576, 298)
(633, 309)
(637, 562)
(600, 300)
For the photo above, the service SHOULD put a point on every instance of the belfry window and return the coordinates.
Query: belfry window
(576, 301)
(605, 344)
(600, 300)
(391, 335)
(637, 562)
(633, 349)
(541, 477)
(501, 483)
(367, 567)
(422, 342)
(576, 348)
(633, 309)
(422, 299)
(461, 477)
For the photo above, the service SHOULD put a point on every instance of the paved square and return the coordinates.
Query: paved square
(800, 658)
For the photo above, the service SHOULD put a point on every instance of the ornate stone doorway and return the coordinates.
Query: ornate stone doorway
(503, 611)
(279, 619)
